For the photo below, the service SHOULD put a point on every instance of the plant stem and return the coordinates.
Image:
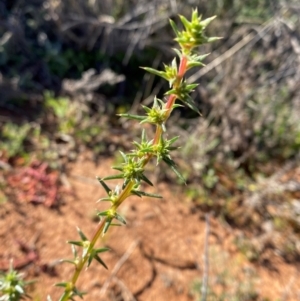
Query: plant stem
(126, 192)
(182, 68)
(67, 294)
(133, 167)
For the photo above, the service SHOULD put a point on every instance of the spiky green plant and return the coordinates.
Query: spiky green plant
(132, 170)
(12, 285)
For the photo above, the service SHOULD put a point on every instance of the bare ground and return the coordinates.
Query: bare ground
(158, 256)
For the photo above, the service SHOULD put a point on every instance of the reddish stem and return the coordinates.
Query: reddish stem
(170, 102)
(182, 67)
(181, 71)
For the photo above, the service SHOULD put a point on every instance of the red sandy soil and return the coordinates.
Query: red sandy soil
(157, 256)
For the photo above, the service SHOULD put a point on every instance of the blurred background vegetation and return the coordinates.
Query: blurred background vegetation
(68, 67)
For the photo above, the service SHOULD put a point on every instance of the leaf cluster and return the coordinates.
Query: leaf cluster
(12, 286)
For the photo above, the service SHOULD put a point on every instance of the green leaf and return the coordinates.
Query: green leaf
(68, 261)
(81, 234)
(187, 100)
(137, 193)
(142, 193)
(175, 105)
(172, 140)
(148, 110)
(119, 168)
(191, 104)
(144, 136)
(206, 22)
(179, 175)
(174, 26)
(100, 261)
(104, 213)
(120, 176)
(199, 58)
(78, 293)
(191, 87)
(123, 156)
(120, 218)
(106, 188)
(101, 250)
(195, 15)
(172, 165)
(94, 255)
(178, 52)
(104, 200)
(76, 243)
(130, 116)
(90, 259)
(144, 178)
(156, 72)
(213, 39)
(194, 64)
(62, 284)
(185, 23)
(107, 224)
(174, 64)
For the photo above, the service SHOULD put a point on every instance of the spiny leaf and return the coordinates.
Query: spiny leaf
(185, 22)
(120, 176)
(78, 293)
(106, 188)
(144, 178)
(191, 104)
(68, 261)
(119, 168)
(194, 64)
(195, 15)
(187, 100)
(100, 261)
(107, 224)
(94, 255)
(90, 259)
(104, 213)
(213, 39)
(156, 72)
(123, 156)
(172, 165)
(174, 26)
(81, 234)
(130, 116)
(172, 140)
(104, 200)
(137, 193)
(120, 218)
(101, 250)
(206, 22)
(62, 284)
(77, 243)
(148, 110)
(142, 193)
